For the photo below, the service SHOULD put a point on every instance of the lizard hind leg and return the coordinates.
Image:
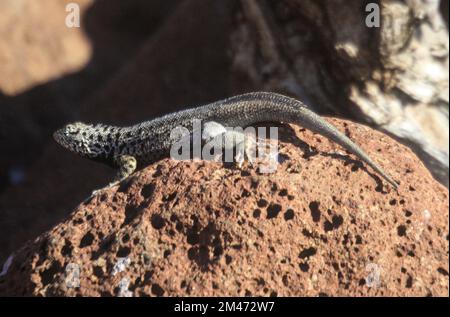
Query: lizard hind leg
(212, 129)
(218, 136)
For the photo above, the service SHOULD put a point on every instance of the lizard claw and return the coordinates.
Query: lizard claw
(102, 190)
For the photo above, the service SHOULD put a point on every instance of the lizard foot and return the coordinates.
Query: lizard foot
(127, 165)
(101, 190)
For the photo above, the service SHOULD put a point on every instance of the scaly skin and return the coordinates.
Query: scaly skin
(128, 148)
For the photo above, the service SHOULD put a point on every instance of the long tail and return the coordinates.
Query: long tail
(315, 123)
(251, 108)
(266, 106)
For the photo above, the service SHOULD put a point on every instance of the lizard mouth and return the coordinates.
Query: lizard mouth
(60, 138)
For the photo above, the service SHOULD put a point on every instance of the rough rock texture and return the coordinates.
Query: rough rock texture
(147, 58)
(321, 225)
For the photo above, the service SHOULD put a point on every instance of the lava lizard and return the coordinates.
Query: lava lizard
(129, 148)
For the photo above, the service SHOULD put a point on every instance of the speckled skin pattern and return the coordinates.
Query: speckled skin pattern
(128, 148)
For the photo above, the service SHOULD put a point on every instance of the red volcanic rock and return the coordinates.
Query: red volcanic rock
(322, 225)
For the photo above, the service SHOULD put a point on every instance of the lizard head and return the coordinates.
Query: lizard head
(80, 138)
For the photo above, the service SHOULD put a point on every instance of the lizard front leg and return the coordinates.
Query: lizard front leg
(126, 166)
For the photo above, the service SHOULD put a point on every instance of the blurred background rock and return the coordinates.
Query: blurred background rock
(136, 59)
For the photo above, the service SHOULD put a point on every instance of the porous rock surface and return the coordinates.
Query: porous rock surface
(321, 225)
